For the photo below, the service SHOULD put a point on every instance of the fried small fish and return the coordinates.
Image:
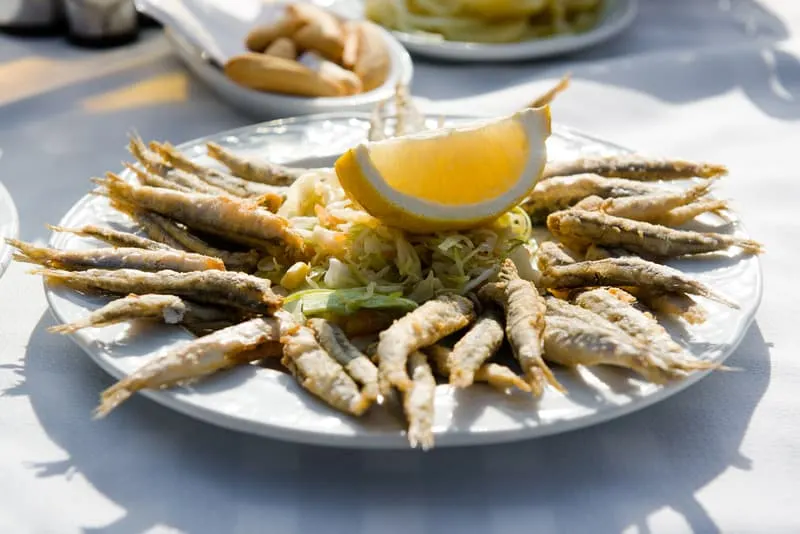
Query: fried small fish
(408, 119)
(317, 371)
(560, 193)
(115, 258)
(635, 167)
(627, 272)
(175, 179)
(647, 208)
(671, 304)
(254, 170)
(377, 124)
(231, 218)
(496, 375)
(193, 360)
(224, 288)
(550, 254)
(424, 326)
(524, 312)
(113, 237)
(232, 184)
(590, 227)
(167, 228)
(684, 214)
(596, 252)
(153, 180)
(571, 342)
(156, 166)
(642, 327)
(334, 341)
(479, 344)
(165, 308)
(418, 402)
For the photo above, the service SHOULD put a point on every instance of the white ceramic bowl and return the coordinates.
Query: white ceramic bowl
(205, 33)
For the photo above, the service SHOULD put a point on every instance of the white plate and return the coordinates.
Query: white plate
(208, 32)
(9, 226)
(270, 403)
(616, 16)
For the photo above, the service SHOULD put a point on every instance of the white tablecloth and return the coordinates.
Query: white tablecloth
(715, 80)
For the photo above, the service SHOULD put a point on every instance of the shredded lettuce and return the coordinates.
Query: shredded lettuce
(354, 249)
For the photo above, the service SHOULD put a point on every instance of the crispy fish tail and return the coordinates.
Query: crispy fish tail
(548, 96)
(418, 402)
(193, 360)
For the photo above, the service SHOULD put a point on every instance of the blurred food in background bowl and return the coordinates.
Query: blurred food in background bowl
(282, 59)
(500, 30)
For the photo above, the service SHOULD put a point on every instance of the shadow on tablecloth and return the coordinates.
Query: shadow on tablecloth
(166, 469)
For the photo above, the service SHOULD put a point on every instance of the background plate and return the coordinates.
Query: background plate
(617, 15)
(270, 403)
(9, 226)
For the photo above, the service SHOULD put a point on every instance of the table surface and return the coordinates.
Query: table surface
(705, 79)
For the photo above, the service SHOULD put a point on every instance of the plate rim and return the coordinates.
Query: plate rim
(393, 440)
(7, 201)
(538, 48)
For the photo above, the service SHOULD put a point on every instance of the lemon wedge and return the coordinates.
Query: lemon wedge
(449, 178)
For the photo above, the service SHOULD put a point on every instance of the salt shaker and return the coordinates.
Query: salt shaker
(101, 23)
(31, 16)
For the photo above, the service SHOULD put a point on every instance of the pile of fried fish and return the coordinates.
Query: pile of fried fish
(613, 220)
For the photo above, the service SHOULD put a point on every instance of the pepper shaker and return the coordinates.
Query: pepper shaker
(101, 23)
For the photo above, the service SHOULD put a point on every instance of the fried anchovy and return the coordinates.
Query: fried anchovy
(156, 166)
(318, 372)
(237, 261)
(496, 375)
(357, 364)
(424, 326)
(673, 304)
(115, 258)
(635, 167)
(524, 312)
(113, 237)
(225, 288)
(478, 345)
(550, 254)
(232, 184)
(231, 218)
(254, 170)
(642, 327)
(625, 272)
(569, 341)
(193, 360)
(647, 208)
(166, 308)
(590, 227)
(418, 402)
(562, 192)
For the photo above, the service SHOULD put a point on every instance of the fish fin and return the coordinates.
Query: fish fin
(111, 398)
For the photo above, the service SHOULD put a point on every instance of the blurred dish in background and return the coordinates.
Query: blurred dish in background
(501, 30)
(9, 226)
(486, 21)
(210, 34)
(309, 51)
